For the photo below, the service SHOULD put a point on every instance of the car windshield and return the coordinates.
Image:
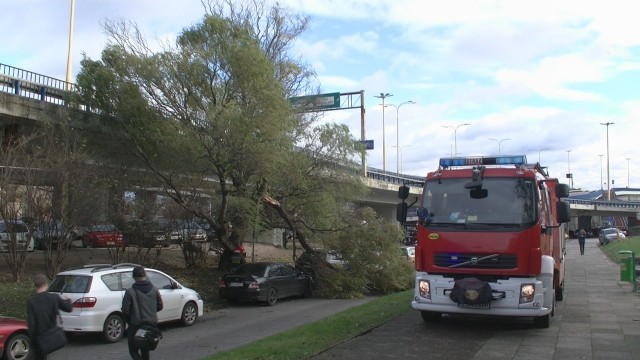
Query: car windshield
(103, 228)
(508, 201)
(13, 227)
(610, 231)
(258, 270)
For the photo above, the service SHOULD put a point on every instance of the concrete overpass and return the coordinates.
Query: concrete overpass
(27, 98)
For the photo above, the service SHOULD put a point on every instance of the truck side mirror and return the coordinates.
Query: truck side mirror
(563, 212)
(403, 192)
(401, 212)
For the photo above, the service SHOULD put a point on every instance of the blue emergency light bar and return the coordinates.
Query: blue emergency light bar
(482, 160)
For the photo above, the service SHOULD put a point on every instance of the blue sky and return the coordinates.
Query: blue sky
(538, 77)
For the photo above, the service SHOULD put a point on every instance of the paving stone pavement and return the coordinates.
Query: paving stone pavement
(599, 318)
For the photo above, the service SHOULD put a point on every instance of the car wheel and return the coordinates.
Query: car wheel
(113, 328)
(559, 293)
(430, 316)
(189, 314)
(308, 291)
(18, 347)
(272, 297)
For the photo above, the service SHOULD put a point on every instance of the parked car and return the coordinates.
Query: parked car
(189, 231)
(14, 339)
(408, 253)
(610, 234)
(50, 233)
(103, 235)
(265, 282)
(96, 292)
(23, 239)
(145, 234)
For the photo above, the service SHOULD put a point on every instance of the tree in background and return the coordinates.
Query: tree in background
(209, 117)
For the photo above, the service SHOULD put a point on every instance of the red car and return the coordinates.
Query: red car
(14, 339)
(105, 235)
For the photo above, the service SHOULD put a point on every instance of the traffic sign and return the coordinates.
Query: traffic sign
(368, 144)
(316, 102)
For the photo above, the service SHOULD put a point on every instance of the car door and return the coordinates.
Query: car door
(171, 298)
(277, 280)
(293, 281)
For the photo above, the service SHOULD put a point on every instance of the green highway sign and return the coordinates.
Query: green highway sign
(316, 102)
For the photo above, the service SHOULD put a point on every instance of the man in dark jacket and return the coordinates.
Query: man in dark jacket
(140, 306)
(42, 311)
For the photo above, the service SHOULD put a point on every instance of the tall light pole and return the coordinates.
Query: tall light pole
(608, 181)
(455, 136)
(499, 143)
(628, 171)
(601, 155)
(569, 175)
(398, 132)
(73, 7)
(401, 152)
(384, 144)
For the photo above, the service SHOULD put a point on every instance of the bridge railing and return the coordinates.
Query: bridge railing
(604, 203)
(33, 85)
(392, 177)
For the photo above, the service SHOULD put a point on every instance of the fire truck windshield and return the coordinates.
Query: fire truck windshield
(508, 201)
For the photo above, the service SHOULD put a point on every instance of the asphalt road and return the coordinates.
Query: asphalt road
(222, 330)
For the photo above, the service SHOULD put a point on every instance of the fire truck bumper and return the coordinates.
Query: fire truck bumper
(432, 294)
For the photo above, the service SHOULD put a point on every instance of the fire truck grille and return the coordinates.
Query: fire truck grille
(476, 261)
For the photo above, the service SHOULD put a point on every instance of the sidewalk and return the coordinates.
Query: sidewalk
(599, 318)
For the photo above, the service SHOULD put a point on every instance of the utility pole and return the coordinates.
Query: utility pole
(608, 179)
(384, 144)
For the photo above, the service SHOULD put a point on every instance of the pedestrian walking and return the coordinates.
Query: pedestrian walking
(582, 235)
(43, 312)
(140, 306)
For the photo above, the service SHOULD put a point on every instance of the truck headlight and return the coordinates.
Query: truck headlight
(526, 293)
(425, 289)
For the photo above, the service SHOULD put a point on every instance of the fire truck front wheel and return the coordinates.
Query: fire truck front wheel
(430, 316)
(542, 322)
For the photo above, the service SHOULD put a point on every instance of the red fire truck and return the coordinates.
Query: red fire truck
(490, 239)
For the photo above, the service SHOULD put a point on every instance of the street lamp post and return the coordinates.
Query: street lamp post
(401, 152)
(70, 50)
(499, 143)
(455, 136)
(569, 175)
(398, 132)
(608, 181)
(601, 155)
(384, 144)
(628, 171)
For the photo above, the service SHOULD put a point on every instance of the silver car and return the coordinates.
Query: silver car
(23, 240)
(610, 234)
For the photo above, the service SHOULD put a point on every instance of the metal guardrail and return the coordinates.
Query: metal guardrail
(604, 203)
(392, 177)
(26, 83)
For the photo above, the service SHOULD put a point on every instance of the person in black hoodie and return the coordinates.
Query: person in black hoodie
(140, 306)
(42, 311)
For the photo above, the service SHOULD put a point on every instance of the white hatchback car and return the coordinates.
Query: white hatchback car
(96, 292)
(19, 228)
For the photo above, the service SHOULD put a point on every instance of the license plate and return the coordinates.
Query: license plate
(486, 306)
(235, 284)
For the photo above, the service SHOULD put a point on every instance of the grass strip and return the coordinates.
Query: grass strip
(309, 339)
